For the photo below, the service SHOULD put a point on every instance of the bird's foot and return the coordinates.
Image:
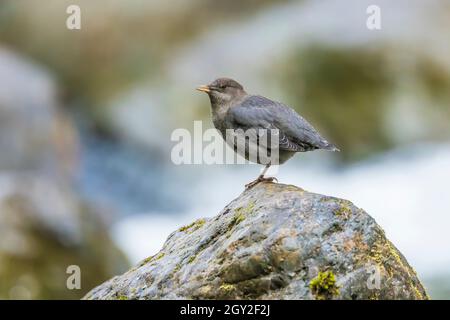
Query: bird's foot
(258, 180)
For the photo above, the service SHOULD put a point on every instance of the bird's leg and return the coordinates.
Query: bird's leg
(261, 178)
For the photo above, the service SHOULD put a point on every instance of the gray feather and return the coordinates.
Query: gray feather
(296, 134)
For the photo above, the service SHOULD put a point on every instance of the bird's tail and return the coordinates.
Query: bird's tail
(331, 147)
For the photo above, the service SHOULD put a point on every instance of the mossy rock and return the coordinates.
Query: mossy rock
(274, 242)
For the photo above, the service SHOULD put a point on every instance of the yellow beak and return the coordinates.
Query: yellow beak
(203, 88)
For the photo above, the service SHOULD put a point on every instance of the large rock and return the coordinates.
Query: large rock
(273, 242)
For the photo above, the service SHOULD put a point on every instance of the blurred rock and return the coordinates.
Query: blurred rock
(44, 229)
(273, 242)
(34, 134)
(44, 226)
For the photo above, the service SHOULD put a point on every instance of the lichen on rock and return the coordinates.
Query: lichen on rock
(324, 286)
(274, 242)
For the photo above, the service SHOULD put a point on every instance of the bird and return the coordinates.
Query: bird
(232, 108)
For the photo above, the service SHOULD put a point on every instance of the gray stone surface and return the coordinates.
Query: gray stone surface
(273, 242)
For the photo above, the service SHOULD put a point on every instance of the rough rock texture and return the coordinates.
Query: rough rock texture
(273, 242)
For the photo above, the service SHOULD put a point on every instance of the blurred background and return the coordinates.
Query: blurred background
(86, 117)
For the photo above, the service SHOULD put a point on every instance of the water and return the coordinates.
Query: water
(124, 178)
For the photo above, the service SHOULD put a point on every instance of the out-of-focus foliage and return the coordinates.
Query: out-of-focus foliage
(351, 94)
(122, 43)
(345, 92)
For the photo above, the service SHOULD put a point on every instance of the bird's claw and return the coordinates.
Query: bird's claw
(260, 179)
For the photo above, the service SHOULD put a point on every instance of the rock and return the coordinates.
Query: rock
(273, 242)
(35, 135)
(44, 226)
(44, 229)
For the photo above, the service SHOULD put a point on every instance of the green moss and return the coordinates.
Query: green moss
(191, 259)
(238, 218)
(177, 268)
(159, 256)
(375, 295)
(324, 285)
(122, 297)
(383, 253)
(246, 210)
(227, 287)
(145, 261)
(241, 213)
(388, 257)
(417, 293)
(344, 209)
(193, 226)
(152, 258)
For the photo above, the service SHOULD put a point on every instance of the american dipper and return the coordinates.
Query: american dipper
(235, 109)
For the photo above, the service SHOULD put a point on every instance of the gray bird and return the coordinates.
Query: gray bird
(233, 108)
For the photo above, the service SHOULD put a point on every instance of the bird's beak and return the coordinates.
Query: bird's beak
(204, 88)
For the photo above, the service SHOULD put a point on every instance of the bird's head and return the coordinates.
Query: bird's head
(223, 90)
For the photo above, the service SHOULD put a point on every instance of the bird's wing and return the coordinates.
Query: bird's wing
(295, 133)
